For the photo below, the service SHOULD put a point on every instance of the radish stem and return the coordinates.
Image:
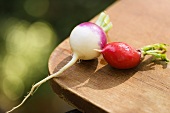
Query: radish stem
(100, 19)
(156, 50)
(104, 22)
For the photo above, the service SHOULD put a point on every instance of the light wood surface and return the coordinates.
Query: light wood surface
(95, 87)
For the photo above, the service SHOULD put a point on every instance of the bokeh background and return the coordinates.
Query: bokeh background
(29, 32)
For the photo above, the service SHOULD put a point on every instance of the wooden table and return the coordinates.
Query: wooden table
(95, 87)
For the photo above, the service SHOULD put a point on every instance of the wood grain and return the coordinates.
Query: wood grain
(95, 87)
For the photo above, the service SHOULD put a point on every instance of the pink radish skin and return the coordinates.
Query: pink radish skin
(123, 56)
(84, 38)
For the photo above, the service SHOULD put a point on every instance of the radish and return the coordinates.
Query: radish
(84, 38)
(122, 56)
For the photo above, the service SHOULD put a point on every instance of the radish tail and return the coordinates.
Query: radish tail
(35, 87)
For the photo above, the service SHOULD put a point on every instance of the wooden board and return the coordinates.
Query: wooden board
(95, 87)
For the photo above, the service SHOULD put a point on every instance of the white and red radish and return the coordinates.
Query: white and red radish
(84, 38)
(122, 56)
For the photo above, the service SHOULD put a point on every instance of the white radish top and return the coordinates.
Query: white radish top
(86, 37)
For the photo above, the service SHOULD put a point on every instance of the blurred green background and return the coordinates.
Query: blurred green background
(29, 32)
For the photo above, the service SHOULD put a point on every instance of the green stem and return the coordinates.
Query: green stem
(104, 22)
(156, 50)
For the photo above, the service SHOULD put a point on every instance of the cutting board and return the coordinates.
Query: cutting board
(95, 87)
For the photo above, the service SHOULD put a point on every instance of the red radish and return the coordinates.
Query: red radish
(122, 56)
(84, 38)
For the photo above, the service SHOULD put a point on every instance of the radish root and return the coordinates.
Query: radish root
(35, 87)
